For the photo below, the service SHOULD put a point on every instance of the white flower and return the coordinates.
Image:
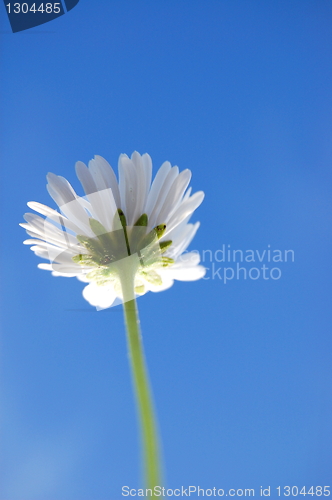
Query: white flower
(92, 234)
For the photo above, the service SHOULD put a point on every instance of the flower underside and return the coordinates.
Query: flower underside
(108, 248)
(115, 237)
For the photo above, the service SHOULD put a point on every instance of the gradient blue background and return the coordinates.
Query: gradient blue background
(240, 93)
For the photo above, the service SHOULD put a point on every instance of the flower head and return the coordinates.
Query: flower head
(131, 223)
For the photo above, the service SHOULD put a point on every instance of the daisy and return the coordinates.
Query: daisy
(123, 239)
(93, 234)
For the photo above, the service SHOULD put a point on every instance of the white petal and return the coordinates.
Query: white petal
(66, 198)
(40, 244)
(85, 178)
(33, 242)
(108, 190)
(47, 235)
(99, 211)
(49, 232)
(141, 186)
(147, 164)
(73, 269)
(55, 255)
(53, 215)
(102, 204)
(174, 196)
(43, 209)
(163, 193)
(188, 259)
(182, 240)
(46, 267)
(185, 209)
(63, 275)
(83, 278)
(99, 296)
(127, 185)
(49, 267)
(187, 273)
(63, 191)
(156, 186)
(56, 241)
(167, 282)
(187, 194)
(104, 177)
(177, 234)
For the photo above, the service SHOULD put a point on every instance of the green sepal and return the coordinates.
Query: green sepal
(149, 239)
(84, 259)
(150, 254)
(140, 289)
(123, 221)
(92, 275)
(164, 245)
(106, 239)
(91, 244)
(101, 274)
(97, 227)
(156, 232)
(122, 217)
(159, 230)
(116, 221)
(152, 277)
(167, 261)
(142, 220)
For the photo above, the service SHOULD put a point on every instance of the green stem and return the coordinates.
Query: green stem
(141, 382)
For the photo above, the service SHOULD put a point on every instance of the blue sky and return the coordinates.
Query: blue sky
(240, 93)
